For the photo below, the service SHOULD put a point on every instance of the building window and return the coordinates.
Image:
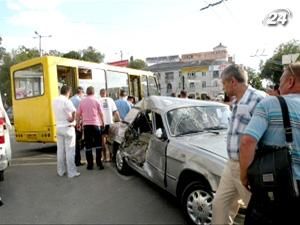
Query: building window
(169, 88)
(215, 83)
(192, 85)
(191, 75)
(203, 74)
(203, 84)
(216, 74)
(169, 76)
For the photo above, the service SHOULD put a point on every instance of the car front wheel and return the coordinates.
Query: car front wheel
(121, 163)
(197, 204)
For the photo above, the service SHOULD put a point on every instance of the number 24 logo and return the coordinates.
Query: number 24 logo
(279, 16)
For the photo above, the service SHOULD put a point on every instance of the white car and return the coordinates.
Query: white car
(5, 148)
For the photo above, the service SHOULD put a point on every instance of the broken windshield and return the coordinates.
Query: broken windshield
(197, 119)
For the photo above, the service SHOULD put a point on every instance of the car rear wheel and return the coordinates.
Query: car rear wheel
(197, 204)
(121, 163)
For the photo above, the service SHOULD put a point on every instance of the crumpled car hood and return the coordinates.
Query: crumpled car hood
(213, 143)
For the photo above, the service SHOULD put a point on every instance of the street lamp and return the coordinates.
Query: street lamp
(39, 36)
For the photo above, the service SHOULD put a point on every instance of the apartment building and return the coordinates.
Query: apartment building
(197, 73)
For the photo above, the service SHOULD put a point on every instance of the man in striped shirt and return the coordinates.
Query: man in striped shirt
(266, 126)
(230, 189)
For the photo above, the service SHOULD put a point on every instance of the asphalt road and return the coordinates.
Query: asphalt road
(33, 193)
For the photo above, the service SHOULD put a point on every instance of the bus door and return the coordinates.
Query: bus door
(135, 89)
(66, 76)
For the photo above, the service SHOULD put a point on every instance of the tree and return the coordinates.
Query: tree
(272, 69)
(92, 55)
(72, 55)
(2, 50)
(19, 55)
(55, 53)
(22, 54)
(137, 64)
(254, 79)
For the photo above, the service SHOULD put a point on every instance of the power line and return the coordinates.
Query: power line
(212, 5)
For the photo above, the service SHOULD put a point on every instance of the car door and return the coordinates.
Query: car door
(156, 153)
(137, 138)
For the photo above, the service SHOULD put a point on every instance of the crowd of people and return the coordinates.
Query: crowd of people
(256, 117)
(82, 122)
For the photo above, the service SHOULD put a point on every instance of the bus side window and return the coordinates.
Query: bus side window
(152, 85)
(134, 82)
(94, 78)
(115, 82)
(144, 86)
(66, 76)
(29, 82)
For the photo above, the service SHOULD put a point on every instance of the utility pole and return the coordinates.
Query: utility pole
(121, 54)
(39, 36)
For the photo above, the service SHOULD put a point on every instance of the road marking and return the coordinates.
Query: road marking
(31, 159)
(33, 164)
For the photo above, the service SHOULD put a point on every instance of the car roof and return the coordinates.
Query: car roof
(164, 104)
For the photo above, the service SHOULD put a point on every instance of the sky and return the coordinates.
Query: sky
(149, 28)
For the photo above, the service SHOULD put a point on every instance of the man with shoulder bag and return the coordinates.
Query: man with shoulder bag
(235, 84)
(270, 155)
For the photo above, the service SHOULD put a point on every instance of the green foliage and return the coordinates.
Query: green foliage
(254, 79)
(22, 54)
(272, 69)
(92, 55)
(55, 53)
(137, 64)
(5, 76)
(72, 55)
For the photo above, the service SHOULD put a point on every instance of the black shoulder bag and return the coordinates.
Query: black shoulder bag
(270, 174)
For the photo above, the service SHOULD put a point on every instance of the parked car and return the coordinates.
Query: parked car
(5, 148)
(180, 145)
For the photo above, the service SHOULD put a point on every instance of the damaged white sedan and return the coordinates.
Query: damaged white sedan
(180, 145)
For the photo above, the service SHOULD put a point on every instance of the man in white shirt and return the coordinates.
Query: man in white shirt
(110, 112)
(65, 130)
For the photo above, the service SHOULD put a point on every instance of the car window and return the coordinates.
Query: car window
(197, 119)
(143, 122)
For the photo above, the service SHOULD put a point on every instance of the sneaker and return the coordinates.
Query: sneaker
(77, 174)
